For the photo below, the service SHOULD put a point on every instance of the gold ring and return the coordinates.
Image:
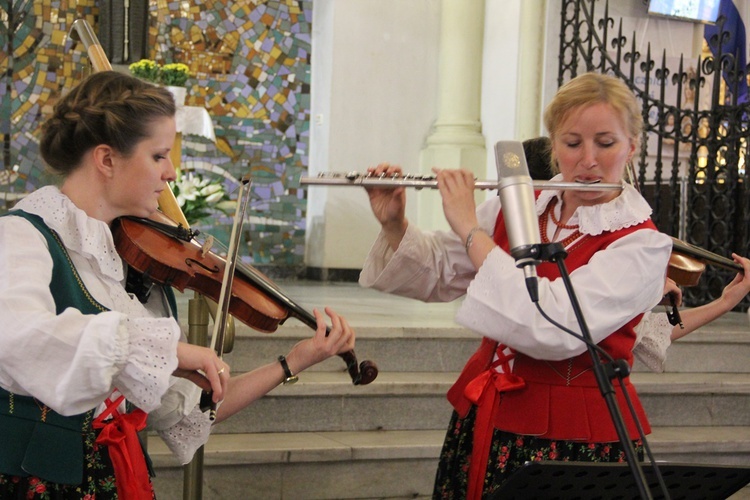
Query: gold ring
(221, 371)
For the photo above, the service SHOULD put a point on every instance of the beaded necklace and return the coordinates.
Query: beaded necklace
(549, 213)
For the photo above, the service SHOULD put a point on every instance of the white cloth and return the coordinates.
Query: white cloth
(623, 280)
(72, 361)
(194, 120)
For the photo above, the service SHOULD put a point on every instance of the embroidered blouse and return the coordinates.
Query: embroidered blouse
(623, 280)
(72, 361)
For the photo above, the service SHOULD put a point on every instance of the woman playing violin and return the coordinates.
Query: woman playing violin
(529, 393)
(82, 361)
(656, 333)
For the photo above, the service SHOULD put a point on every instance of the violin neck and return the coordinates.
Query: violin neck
(705, 256)
(263, 284)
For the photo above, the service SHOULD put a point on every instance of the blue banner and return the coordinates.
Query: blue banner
(734, 44)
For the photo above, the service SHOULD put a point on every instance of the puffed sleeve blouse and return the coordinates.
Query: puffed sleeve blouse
(619, 282)
(73, 361)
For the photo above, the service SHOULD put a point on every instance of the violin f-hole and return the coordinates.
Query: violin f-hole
(190, 261)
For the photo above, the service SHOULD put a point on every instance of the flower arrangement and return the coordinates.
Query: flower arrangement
(145, 69)
(199, 198)
(173, 74)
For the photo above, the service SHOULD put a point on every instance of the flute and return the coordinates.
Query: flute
(430, 182)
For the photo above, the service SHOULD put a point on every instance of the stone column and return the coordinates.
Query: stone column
(456, 140)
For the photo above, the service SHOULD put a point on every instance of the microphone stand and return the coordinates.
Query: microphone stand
(604, 372)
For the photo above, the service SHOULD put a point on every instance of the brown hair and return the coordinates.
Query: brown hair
(106, 108)
(593, 88)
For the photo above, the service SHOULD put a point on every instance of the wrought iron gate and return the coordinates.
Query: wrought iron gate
(695, 143)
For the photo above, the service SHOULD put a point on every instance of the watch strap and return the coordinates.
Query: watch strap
(290, 378)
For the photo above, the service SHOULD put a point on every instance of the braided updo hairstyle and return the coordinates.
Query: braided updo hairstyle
(107, 108)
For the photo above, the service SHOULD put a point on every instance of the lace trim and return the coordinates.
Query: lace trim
(654, 338)
(628, 209)
(184, 438)
(153, 343)
(80, 233)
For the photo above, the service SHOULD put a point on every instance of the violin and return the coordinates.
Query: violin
(687, 263)
(165, 252)
(168, 254)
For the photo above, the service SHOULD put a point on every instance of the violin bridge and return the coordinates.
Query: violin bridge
(207, 245)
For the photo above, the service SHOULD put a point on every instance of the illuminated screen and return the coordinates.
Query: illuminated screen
(705, 11)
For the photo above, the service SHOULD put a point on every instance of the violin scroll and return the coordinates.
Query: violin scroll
(366, 372)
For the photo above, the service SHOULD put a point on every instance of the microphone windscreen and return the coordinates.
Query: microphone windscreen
(511, 159)
(516, 192)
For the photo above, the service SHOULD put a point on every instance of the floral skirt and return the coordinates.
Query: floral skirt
(509, 452)
(98, 479)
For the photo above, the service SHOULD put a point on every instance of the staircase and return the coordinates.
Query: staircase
(324, 438)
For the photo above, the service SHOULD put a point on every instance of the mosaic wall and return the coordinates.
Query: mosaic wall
(35, 66)
(250, 68)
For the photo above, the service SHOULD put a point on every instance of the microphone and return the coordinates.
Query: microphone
(519, 212)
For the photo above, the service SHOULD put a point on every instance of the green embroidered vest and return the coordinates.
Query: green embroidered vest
(36, 440)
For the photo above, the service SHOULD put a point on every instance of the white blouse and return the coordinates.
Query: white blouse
(623, 280)
(73, 361)
(654, 336)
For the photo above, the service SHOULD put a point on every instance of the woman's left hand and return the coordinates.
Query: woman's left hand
(457, 190)
(320, 347)
(739, 287)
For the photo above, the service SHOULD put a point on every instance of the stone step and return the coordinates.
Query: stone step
(722, 347)
(448, 348)
(402, 335)
(325, 438)
(379, 464)
(695, 399)
(413, 350)
(326, 402)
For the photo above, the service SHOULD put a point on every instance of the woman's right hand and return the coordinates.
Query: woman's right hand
(671, 292)
(203, 367)
(388, 204)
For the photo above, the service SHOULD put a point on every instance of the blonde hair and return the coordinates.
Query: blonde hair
(594, 88)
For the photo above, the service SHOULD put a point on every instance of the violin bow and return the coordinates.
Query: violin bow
(222, 313)
(80, 31)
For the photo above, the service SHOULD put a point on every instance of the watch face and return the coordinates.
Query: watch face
(290, 380)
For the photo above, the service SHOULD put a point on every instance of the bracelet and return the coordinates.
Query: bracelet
(470, 237)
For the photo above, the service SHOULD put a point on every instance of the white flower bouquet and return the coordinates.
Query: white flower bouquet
(200, 198)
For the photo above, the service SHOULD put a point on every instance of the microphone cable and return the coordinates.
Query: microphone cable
(618, 367)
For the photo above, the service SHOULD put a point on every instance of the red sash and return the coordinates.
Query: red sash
(120, 435)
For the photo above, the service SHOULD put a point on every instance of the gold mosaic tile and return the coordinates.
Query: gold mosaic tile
(248, 60)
